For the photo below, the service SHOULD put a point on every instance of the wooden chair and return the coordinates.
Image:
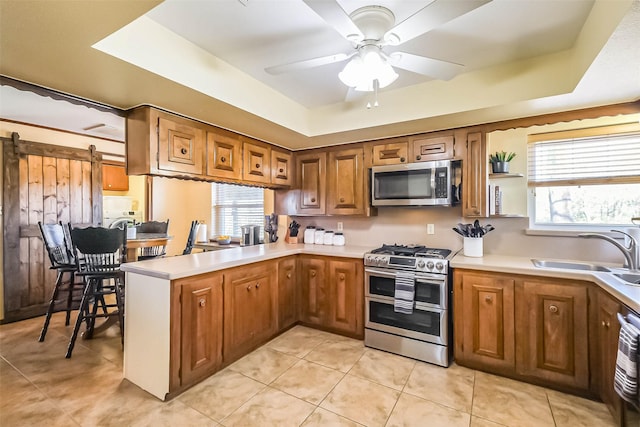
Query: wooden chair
(99, 252)
(152, 227)
(191, 239)
(61, 257)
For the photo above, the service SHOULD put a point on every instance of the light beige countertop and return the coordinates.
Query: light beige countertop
(177, 267)
(627, 294)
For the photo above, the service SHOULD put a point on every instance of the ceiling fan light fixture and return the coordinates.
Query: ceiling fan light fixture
(361, 72)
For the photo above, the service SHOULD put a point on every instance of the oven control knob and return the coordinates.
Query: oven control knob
(430, 265)
(371, 261)
(420, 264)
(382, 261)
(439, 266)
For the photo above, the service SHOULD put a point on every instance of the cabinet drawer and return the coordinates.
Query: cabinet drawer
(390, 154)
(435, 148)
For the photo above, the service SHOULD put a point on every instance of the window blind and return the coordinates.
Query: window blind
(605, 159)
(234, 206)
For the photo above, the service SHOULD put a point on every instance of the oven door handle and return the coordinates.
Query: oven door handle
(380, 273)
(430, 281)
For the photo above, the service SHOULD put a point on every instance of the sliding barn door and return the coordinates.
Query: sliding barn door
(45, 183)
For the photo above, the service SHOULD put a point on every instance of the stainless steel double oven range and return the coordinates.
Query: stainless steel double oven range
(426, 333)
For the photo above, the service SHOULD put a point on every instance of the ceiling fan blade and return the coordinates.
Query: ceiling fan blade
(436, 68)
(431, 16)
(334, 15)
(308, 63)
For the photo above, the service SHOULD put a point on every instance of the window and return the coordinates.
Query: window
(589, 177)
(235, 206)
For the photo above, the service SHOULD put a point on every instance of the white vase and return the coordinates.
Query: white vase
(472, 246)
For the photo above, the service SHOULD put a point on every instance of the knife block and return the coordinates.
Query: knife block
(289, 239)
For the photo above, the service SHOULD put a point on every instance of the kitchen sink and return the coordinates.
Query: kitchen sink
(633, 278)
(568, 265)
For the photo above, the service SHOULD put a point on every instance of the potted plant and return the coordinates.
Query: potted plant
(500, 161)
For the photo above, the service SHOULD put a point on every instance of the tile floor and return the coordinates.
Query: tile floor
(303, 377)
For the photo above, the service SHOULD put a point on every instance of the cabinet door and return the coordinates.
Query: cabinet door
(432, 148)
(224, 155)
(201, 327)
(474, 187)
(552, 333)
(257, 162)
(287, 296)
(311, 173)
(312, 287)
(180, 147)
(345, 288)
(487, 313)
(250, 315)
(346, 182)
(114, 178)
(606, 335)
(392, 153)
(281, 168)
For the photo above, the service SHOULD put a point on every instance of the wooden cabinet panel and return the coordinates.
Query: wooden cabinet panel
(281, 168)
(257, 162)
(474, 190)
(201, 327)
(346, 182)
(224, 155)
(180, 147)
(390, 154)
(250, 315)
(287, 293)
(487, 312)
(114, 178)
(425, 149)
(345, 289)
(311, 171)
(553, 333)
(312, 290)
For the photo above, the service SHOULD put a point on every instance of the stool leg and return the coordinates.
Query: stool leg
(52, 303)
(84, 308)
(72, 285)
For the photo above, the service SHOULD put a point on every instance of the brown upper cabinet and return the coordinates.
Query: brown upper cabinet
(433, 147)
(311, 169)
(390, 152)
(114, 178)
(257, 162)
(346, 194)
(474, 188)
(224, 155)
(281, 168)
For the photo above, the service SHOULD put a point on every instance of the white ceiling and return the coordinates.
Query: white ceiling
(206, 60)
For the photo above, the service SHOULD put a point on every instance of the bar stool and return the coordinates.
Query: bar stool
(152, 227)
(99, 253)
(61, 256)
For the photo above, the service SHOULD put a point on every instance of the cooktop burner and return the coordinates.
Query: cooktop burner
(412, 250)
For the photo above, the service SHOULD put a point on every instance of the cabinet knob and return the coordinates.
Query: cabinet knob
(248, 287)
(341, 199)
(183, 151)
(313, 200)
(313, 274)
(553, 308)
(488, 299)
(280, 170)
(402, 159)
(257, 165)
(257, 285)
(605, 324)
(341, 277)
(418, 157)
(202, 302)
(223, 159)
(288, 275)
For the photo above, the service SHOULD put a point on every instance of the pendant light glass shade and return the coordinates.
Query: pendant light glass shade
(366, 67)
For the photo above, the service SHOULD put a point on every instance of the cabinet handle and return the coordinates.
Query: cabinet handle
(183, 150)
(553, 309)
(248, 287)
(418, 157)
(313, 274)
(257, 165)
(313, 200)
(288, 275)
(257, 285)
(488, 299)
(341, 199)
(223, 159)
(605, 324)
(341, 277)
(202, 302)
(402, 159)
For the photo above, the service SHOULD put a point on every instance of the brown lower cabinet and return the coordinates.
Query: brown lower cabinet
(542, 322)
(287, 292)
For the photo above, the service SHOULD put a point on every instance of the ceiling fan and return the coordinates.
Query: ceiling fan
(370, 29)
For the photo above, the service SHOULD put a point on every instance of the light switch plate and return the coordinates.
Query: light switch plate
(431, 229)
(339, 226)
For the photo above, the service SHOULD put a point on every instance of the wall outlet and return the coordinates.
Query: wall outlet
(339, 226)
(431, 229)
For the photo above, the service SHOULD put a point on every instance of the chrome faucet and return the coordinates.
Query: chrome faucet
(631, 253)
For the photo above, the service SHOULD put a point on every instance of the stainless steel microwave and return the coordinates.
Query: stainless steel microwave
(415, 184)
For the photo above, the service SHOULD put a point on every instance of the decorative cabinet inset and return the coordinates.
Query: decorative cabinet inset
(311, 170)
(257, 162)
(391, 153)
(425, 149)
(180, 147)
(281, 168)
(346, 182)
(250, 307)
(114, 178)
(224, 155)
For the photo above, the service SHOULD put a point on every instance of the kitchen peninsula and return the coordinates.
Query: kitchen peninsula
(180, 327)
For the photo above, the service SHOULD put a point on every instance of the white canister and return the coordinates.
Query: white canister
(201, 233)
(473, 246)
(328, 238)
(338, 239)
(319, 236)
(309, 234)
